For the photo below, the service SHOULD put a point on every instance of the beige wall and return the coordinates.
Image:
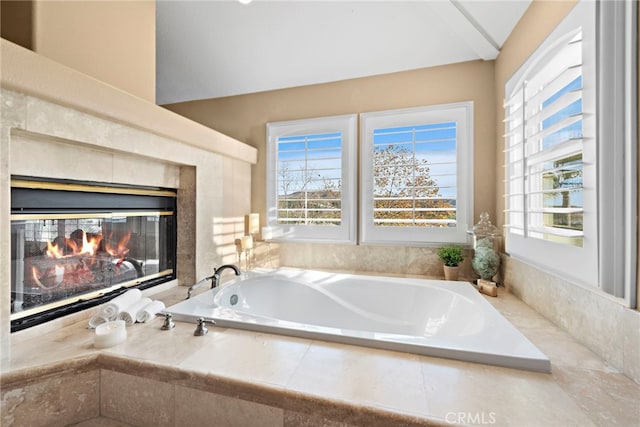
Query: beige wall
(113, 41)
(244, 117)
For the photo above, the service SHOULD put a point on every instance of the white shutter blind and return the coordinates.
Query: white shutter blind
(311, 179)
(417, 175)
(543, 148)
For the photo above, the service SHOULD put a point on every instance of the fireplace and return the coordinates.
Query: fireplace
(75, 245)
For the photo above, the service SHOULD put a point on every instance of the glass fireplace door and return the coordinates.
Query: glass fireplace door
(58, 258)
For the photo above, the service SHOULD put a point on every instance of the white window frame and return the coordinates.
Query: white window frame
(346, 231)
(607, 259)
(462, 113)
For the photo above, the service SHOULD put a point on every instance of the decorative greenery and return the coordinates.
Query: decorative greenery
(485, 261)
(451, 256)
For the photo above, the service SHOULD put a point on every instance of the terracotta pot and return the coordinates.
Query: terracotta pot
(451, 273)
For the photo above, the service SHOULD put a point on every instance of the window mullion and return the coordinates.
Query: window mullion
(525, 166)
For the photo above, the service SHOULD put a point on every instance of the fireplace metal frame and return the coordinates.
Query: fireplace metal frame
(63, 199)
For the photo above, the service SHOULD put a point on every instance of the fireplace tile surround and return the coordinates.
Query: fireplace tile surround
(45, 139)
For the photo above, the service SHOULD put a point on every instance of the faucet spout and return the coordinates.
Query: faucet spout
(217, 272)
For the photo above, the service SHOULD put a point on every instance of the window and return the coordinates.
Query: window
(417, 175)
(311, 169)
(564, 151)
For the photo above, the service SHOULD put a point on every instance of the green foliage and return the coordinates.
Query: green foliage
(452, 255)
(485, 262)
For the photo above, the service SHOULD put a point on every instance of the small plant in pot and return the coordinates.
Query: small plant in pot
(451, 256)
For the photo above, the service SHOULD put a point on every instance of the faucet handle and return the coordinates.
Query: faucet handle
(168, 321)
(201, 328)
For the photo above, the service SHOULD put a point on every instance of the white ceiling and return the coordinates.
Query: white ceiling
(217, 48)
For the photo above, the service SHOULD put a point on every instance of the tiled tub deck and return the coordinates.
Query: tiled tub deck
(241, 378)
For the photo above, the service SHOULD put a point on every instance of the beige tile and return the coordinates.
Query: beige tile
(464, 392)
(200, 408)
(141, 170)
(340, 257)
(376, 259)
(13, 107)
(558, 345)
(54, 159)
(166, 347)
(299, 419)
(241, 189)
(592, 319)
(101, 422)
(247, 355)
(124, 138)
(51, 119)
(367, 376)
(137, 401)
(631, 345)
(609, 399)
(517, 312)
(53, 401)
(563, 350)
(41, 351)
(423, 261)
(307, 411)
(296, 255)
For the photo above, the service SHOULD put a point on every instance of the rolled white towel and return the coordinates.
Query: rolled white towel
(130, 313)
(149, 311)
(97, 320)
(111, 309)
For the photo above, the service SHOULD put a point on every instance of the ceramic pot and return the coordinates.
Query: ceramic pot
(451, 273)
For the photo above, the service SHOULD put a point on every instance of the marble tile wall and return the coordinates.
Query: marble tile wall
(421, 261)
(58, 400)
(12, 115)
(598, 321)
(85, 398)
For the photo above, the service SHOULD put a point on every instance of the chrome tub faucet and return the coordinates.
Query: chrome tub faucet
(217, 272)
(215, 278)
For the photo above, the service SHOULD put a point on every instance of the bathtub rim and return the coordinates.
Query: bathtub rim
(535, 362)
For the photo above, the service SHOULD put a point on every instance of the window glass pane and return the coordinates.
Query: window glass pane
(309, 180)
(553, 132)
(414, 175)
(563, 183)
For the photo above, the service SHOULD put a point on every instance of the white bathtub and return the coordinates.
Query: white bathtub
(428, 317)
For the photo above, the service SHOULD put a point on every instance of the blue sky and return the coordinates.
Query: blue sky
(434, 142)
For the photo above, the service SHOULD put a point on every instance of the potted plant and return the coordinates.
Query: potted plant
(451, 256)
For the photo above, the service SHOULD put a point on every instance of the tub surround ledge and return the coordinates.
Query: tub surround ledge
(262, 379)
(603, 325)
(116, 383)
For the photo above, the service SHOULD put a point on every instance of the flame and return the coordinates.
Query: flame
(73, 246)
(54, 251)
(74, 272)
(121, 250)
(89, 247)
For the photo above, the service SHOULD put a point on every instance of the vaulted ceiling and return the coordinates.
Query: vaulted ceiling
(219, 48)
